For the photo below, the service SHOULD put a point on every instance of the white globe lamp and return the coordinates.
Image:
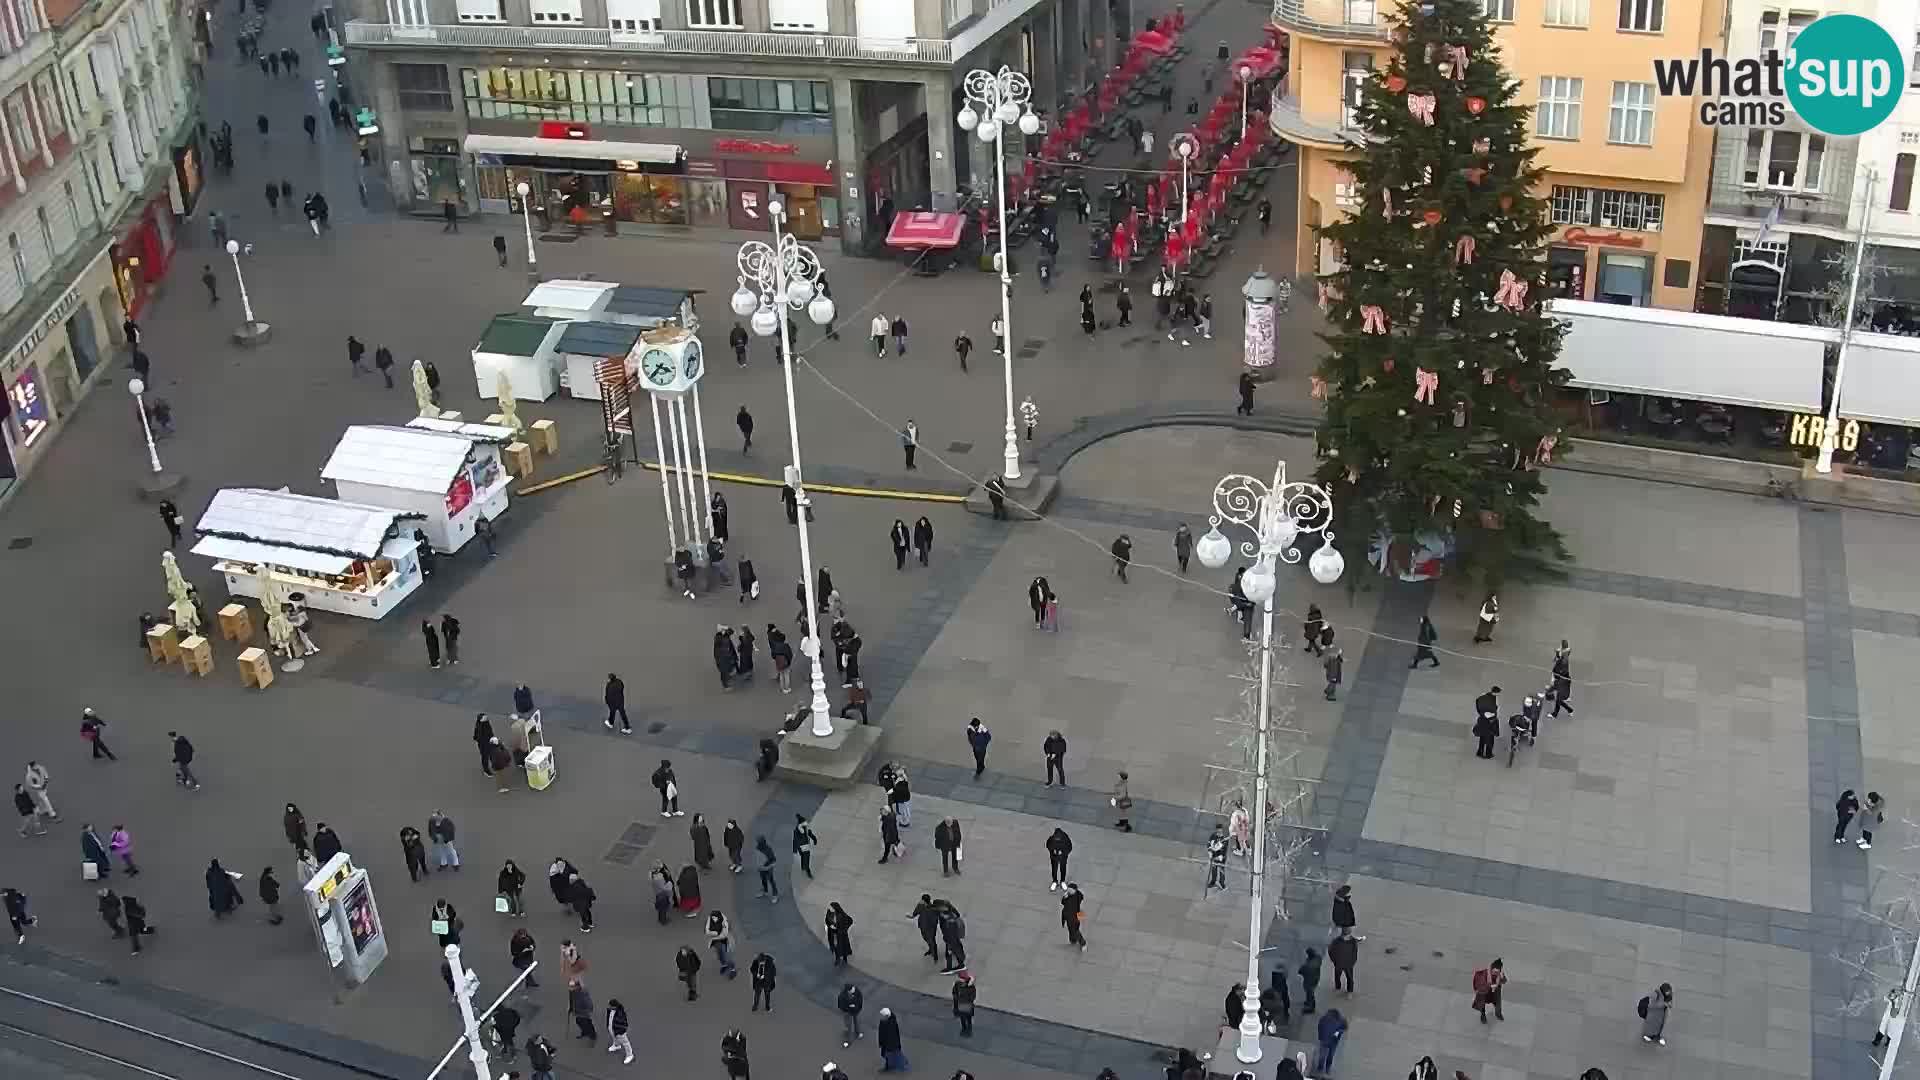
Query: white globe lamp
(745, 302)
(1258, 583)
(968, 119)
(987, 132)
(799, 291)
(1326, 565)
(765, 322)
(1213, 548)
(1007, 113)
(1029, 124)
(820, 311)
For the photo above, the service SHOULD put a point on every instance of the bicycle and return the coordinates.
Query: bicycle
(1782, 489)
(614, 466)
(1520, 729)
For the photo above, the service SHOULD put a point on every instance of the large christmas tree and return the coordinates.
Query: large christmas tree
(1440, 378)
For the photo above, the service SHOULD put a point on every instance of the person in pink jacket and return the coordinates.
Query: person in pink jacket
(120, 842)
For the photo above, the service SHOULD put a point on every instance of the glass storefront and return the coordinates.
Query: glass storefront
(435, 167)
(651, 200)
(708, 199)
(1625, 279)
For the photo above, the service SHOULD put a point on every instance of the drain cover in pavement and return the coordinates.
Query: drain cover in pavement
(622, 855)
(637, 834)
(557, 238)
(1033, 342)
(959, 448)
(20, 543)
(655, 727)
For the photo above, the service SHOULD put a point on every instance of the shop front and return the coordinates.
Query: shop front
(142, 253)
(48, 366)
(1608, 266)
(183, 186)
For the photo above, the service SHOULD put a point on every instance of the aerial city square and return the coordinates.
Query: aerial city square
(1017, 539)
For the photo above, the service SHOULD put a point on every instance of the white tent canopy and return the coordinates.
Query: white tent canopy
(304, 532)
(1682, 354)
(408, 458)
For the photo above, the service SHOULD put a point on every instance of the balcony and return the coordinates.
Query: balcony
(1335, 20)
(16, 66)
(1290, 122)
(732, 43)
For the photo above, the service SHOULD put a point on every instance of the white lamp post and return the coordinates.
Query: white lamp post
(252, 331)
(139, 391)
(526, 217)
(1246, 83)
(1185, 146)
(465, 983)
(1276, 513)
(785, 273)
(1002, 98)
(1829, 436)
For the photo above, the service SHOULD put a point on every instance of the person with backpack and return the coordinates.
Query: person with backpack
(1309, 973)
(540, 1055)
(733, 1055)
(1487, 985)
(1653, 1011)
(617, 1029)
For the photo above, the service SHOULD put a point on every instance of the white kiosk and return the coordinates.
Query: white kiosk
(344, 557)
(446, 478)
(521, 347)
(345, 920)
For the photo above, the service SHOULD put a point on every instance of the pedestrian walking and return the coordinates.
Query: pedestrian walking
(440, 833)
(540, 1053)
(1486, 723)
(1122, 801)
(850, 1002)
(1562, 678)
(326, 844)
(890, 836)
(506, 1022)
(720, 940)
(1488, 984)
(726, 658)
(879, 333)
(39, 785)
(270, 895)
(559, 872)
(521, 952)
(1343, 952)
(617, 1026)
(94, 730)
(910, 439)
(1333, 1026)
(901, 539)
(664, 783)
(769, 888)
(1182, 546)
(1203, 321)
(451, 212)
(926, 918)
(1423, 643)
(923, 538)
(733, 1055)
(1039, 591)
(355, 347)
(222, 895)
(1122, 556)
(18, 916)
(483, 739)
(702, 842)
(450, 635)
(899, 329)
(93, 852)
(804, 842)
(183, 762)
(500, 248)
(962, 346)
(1872, 815)
(953, 937)
(1333, 662)
(1653, 1011)
(414, 851)
(169, 513)
(120, 843)
(763, 974)
(892, 1057)
(510, 885)
(206, 275)
(687, 892)
(1245, 408)
(383, 363)
(29, 812)
(839, 927)
(445, 923)
(997, 496)
(1123, 303)
(581, 897)
(1089, 323)
(580, 1008)
(734, 839)
(1489, 615)
(978, 737)
(1844, 809)
(615, 696)
(1073, 914)
(947, 840)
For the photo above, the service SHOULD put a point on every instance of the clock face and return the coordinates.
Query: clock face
(693, 360)
(657, 366)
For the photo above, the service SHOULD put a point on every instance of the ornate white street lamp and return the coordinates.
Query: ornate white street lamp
(252, 331)
(784, 273)
(526, 218)
(1276, 513)
(1002, 98)
(1185, 146)
(139, 391)
(1246, 83)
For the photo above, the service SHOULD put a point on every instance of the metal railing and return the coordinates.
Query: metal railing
(1352, 20)
(794, 46)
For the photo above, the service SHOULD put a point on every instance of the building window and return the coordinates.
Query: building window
(1356, 68)
(1498, 10)
(1913, 65)
(478, 11)
(793, 106)
(1631, 120)
(958, 11)
(593, 97)
(807, 14)
(1640, 211)
(1783, 159)
(423, 87)
(713, 14)
(46, 230)
(1566, 13)
(48, 95)
(1558, 114)
(1647, 16)
(73, 205)
(633, 16)
(19, 261)
(1901, 197)
(547, 12)
(20, 119)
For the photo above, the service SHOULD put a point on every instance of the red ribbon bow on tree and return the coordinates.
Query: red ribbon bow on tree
(1421, 106)
(1425, 383)
(1463, 250)
(1512, 292)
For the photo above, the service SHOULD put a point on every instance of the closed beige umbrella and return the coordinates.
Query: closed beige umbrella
(509, 408)
(422, 393)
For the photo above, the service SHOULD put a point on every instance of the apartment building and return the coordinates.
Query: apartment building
(1787, 202)
(1627, 170)
(693, 112)
(98, 154)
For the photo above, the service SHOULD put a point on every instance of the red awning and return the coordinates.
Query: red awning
(799, 172)
(920, 229)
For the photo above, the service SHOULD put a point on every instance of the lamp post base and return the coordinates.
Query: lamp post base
(155, 486)
(253, 334)
(829, 761)
(1261, 374)
(1027, 498)
(1273, 1050)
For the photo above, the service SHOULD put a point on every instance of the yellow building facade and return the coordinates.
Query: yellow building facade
(1627, 171)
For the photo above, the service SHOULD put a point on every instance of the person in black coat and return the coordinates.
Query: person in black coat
(511, 882)
(839, 927)
(734, 839)
(762, 972)
(326, 843)
(737, 340)
(892, 1059)
(616, 698)
(1055, 750)
(725, 659)
(926, 917)
(823, 588)
(718, 515)
(901, 540)
(414, 851)
(1038, 593)
(889, 834)
(1059, 847)
(687, 963)
(483, 739)
(222, 896)
(1486, 722)
(433, 643)
(559, 875)
(580, 897)
(923, 539)
(270, 896)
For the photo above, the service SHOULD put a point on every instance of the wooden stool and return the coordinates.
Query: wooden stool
(236, 624)
(497, 419)
(450, 417)
(196, 655)
(163, 647)
(256, 668)
(519, 460)
(545, 436)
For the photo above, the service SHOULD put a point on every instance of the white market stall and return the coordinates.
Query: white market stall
(344, 557)
(1685, 354)
(585, 345)
(563, 299)
(521, 347)
(449, 474)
